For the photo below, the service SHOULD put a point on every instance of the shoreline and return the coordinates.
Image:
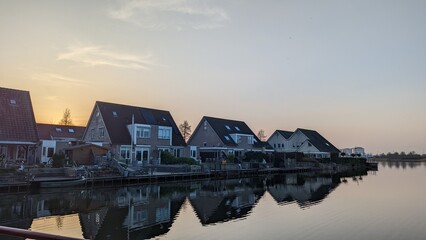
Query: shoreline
(161, 177)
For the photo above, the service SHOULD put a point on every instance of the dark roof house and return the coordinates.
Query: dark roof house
(285, 134)
(18, 131)
(117, 117)
(225, 129)
(17, 121)
(59, 132)
(318, 141)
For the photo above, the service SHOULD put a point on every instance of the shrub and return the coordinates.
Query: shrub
(168, 159)
(255, 156)
(58, 160)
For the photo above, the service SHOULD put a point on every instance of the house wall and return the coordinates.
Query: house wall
(16, 153)
(96, 122)
(295, 141)
(45, 144)
(205, 136)
(244, 143)
(154, 141)
(305, 148)
(311, 151)
(276, 139)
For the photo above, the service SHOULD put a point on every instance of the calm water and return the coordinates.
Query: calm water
(387, 204)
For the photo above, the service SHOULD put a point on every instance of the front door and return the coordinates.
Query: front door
(142, 154)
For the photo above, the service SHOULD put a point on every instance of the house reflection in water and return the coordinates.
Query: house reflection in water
(148, 211)
(220, 201)
(304, 190)
(138, 213)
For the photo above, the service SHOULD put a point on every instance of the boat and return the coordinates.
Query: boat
(63, 183)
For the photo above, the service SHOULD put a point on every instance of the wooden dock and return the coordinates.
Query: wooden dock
(158, 178)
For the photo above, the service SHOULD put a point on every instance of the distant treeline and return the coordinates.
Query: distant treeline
(402, 155)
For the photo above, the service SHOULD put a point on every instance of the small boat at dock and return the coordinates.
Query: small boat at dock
(59, 183)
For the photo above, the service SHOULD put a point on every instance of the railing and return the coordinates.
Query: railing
(32, 235)
(116, 163)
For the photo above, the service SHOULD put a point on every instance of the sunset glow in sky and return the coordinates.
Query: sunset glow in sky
(352, 70)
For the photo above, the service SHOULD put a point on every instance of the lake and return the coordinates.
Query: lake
(384, 204)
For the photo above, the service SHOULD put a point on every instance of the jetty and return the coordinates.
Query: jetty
(156, 177)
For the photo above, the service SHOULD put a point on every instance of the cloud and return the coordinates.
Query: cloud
(92, 55)
(53, 78)
(170, 14)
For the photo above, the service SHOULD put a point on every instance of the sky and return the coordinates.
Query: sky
(354, 70)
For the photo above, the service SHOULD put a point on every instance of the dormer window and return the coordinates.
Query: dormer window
(58, 129)
(227, 138)
(227, 127)
(237, 128)
(12, 101)
(71, 130)
(114, 114)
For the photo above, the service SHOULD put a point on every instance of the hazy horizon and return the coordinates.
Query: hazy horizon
(352, 70)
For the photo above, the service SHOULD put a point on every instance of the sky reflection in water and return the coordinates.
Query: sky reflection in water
(387, 204)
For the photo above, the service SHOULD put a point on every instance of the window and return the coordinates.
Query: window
(101, 132)
(143, 132)
(162, 214)
(12, 101)
(125, 152)
(227, 127)
(3, 152)
(164, 133)
(58, 129)
(239, 139)
(237, 128)
(71, 130)
(176, 152)
(194, 153)
(50, 152)
(250, 139)
(327, 144)
(145, 155)
(21, 153)
(205, 125)
(227, 138)
(114, 114)
(275, 145)
(92, 133)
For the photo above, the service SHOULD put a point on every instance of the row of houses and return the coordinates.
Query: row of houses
(140, 134)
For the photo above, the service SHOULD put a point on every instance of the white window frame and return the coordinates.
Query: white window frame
(128, 150)
(161, 133)
(101, 132)
(143, 131)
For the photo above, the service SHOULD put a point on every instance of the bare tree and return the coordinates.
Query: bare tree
(185, 129)
(66, 118)
(261, 135)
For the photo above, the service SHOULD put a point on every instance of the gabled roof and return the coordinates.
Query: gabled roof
(54, 131)
(117, 116)
(225, 127)
(285, 134)
(17, 121)
(319, 141)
